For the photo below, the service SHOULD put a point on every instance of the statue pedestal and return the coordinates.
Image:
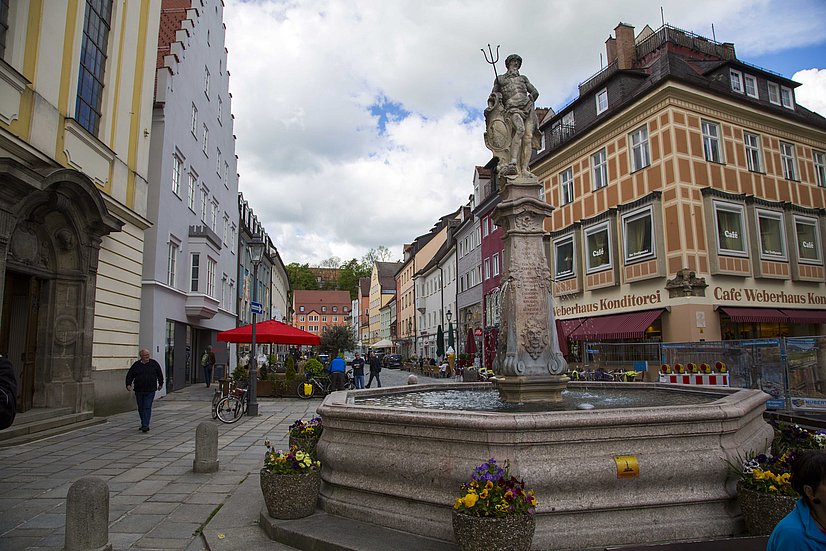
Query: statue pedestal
(528, 364)
(534, 388)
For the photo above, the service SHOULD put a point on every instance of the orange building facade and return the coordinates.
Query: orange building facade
(317, 311)
(689, 194)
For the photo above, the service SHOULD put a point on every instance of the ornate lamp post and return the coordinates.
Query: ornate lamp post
(256, 249)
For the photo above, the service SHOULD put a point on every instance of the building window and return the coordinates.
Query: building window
(820, 167)
(324, 319)
(752, 143)
(638, 233)
(565, 265)
(787, 97)
(226, 172)
(640, 157)
(774, 93)
(808, 240)
(4, 26)
(211, 265)
(323, 308)
(495, 262)
(176, 174)
(487, 268)
(301, 318)
(206, 140)
(736, 81)
(788, 161)
(597, 248)
(195, 272)
(220, 109)
(193, 123)
(92, 64)
(193, 182)
(711, 142)
(206, 81)
(300, 308)
(171, 264)
(750, 84)
(484, 227)
(213, 216)
(772, 236)
(204, 203)
(602, 100)
(731, 231)
(566, 186)
(226, 229)
(599, 169)
(218, 161)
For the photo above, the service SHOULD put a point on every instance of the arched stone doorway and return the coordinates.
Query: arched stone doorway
(51, 226)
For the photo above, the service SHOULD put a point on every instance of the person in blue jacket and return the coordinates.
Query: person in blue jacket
(804, 529)
(338, 367)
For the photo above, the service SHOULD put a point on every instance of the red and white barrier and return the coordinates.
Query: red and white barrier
(717, 379)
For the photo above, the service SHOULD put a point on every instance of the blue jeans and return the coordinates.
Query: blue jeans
(144, 400)
(207, 374)
(358, 380)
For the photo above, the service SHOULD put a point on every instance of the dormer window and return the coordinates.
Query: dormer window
(602, 101)
(750, 85)
(787, 97)
(736, 81)
(774, 93)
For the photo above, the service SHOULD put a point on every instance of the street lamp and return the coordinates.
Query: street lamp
(256, 250)
(449, 316)
(409, 331)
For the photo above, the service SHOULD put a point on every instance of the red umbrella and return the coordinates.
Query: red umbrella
(269, 332)
(470, 342)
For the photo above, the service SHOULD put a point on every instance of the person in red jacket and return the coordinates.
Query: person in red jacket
(147, 377)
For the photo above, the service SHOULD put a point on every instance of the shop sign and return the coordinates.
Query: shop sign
(740, 294)
(629, 300)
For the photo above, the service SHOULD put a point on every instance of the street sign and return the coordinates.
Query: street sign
(477, 332)
(256, 308)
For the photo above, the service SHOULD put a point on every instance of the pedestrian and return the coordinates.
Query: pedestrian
(358, 371)
(337, 369)
(443, 369)
(147, 378)
(375, 368)
(208, 363)
(804, 529)
(8, 393)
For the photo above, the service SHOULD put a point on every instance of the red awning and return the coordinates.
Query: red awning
(805, 316)
(754, 315)
(569, 326)
(617, 326)
(270, 331)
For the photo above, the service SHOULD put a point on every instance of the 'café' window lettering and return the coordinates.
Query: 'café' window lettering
(808, 239)
(598, 246)
(728, 219)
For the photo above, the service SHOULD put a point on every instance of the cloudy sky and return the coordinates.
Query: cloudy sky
(359, 122)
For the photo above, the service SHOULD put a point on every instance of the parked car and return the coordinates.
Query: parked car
(392, 360)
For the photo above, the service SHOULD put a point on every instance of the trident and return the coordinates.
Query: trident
(492, 60)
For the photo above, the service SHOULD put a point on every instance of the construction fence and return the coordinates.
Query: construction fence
(792, 370)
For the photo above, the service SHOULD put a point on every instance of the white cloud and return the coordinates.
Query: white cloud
(314, 164)
(812, 92)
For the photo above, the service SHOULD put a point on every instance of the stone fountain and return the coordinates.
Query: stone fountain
(401, 467)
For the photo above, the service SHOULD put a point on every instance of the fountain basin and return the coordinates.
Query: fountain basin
(402, 467)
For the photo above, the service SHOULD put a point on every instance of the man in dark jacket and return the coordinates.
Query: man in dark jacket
(8, 393)
(147, 377)
(208, 363)
(375, 368)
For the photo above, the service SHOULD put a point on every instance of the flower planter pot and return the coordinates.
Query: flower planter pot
(762, 511)
(510, 533)
(290, 496)
(308, 444)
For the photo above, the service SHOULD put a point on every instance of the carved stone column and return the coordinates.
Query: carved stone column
(529, 365)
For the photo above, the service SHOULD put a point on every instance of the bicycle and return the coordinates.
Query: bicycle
(232, 407)
(323, 384)
(219, 395)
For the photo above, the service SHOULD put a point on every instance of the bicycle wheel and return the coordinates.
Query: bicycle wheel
(230, 409)
(306, 390)
(216, 398)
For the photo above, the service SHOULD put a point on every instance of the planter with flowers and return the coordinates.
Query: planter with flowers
(290, 482)
(306, 434)
(764, 489)
(495, 511)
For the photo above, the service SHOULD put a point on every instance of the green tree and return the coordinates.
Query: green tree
(337, 339)
(301, 277)
(349, 274)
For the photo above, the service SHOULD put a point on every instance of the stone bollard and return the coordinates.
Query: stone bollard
(87, 516)
(206, 448)
(412, 379)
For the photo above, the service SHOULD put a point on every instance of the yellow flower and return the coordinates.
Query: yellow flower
(489, 485)
(757, 474)
(532, 500)
(509, 495)
(473, 484)
(484, 494)
(470, 500)
(772, 488)
(457, 503)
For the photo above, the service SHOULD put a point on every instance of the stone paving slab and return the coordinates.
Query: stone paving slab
(155, 500)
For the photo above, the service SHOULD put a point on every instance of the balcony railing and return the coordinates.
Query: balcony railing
(687, 39)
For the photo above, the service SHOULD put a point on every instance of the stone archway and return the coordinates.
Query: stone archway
(51, 227)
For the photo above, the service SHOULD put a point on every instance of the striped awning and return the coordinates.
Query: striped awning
(805, 316)
(754, 315)
(617, 326)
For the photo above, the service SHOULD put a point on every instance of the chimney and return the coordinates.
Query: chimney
(625, 46)
(610, 50)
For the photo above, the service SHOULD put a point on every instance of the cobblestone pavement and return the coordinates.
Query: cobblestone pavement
(156, 501)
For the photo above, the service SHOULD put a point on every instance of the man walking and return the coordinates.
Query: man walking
(358, 371)
(337, 368)
(208, 363)
(375, 368)
(147, 378)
